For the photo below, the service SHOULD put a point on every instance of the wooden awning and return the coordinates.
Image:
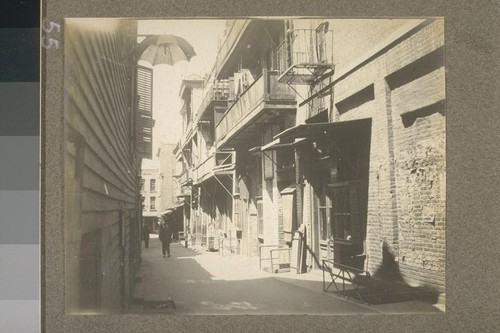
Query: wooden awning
(318, 130)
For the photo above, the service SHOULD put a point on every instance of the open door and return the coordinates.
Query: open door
(336, 158)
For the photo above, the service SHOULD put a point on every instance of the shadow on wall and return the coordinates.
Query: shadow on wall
(389, 270)
(314, 257)
(410, 118)
(390, 273)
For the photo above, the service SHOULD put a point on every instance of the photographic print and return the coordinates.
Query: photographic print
(254, 166)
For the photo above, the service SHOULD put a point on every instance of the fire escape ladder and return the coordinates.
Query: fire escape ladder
(304, 60)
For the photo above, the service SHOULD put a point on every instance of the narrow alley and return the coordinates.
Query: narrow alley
(206, 283)
(282, 150)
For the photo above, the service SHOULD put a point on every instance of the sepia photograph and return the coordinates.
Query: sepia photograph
(254, 166)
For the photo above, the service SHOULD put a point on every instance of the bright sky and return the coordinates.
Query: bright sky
(203, 36)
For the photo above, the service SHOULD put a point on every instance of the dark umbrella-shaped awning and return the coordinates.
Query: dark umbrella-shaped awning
(164, 49)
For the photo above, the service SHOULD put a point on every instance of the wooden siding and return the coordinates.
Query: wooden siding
(101, 167)
(98, 109)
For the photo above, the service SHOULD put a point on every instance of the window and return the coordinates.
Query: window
(152, 203)
(321, 50)
(342, 213)
(346, 212)
(143, 181)
(324, 211)
(152, 185)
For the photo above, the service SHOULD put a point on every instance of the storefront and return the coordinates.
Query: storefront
(333, 179)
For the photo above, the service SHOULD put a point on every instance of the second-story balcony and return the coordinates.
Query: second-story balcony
(185, 192)
(233, 34)
(216, 96)
(217, 163)
(185, 178)
(259, 103)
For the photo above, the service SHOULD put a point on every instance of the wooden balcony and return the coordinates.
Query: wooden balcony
(217, 163)
(233, 34)
(184, 185)
(186, 177)
(263, 100)
(217, 95)
(186, 191)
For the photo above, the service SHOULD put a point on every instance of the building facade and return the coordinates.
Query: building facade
(243, 107)
(371, 148)
(169, 201)
(151, 191)
(166, 158)
(107, 132)
(336, 130)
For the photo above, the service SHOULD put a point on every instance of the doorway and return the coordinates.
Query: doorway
(338, 174)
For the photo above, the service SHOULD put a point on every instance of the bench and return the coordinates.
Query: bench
(356, 276)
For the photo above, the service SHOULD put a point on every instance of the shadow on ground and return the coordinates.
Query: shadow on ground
(387, 285)
(204, 283)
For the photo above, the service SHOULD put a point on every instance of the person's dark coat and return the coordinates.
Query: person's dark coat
(165, 232)
(145, 232)
(165, 238)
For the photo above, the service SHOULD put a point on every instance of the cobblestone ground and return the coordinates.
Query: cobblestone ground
(208, 283)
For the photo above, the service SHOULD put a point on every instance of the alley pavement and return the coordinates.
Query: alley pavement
(196, 282)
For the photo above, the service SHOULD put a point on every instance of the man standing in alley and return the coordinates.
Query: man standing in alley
(166, 234)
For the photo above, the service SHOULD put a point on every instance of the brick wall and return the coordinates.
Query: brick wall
(360, 36)
(406, 204)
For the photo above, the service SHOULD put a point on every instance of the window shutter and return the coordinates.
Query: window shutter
(144, 115)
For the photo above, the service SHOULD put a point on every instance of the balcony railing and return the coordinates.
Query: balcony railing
(219, 91)
(186, 175)
(234, 31)
(186, 190)
(306, 46)
(216, 162)
(306, 55)
(265, 88)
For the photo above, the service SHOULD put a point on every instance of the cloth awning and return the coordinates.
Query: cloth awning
(277, 144)
(171, 209)
(318, 130)
(216, 171)
(294, 137)
(288, 190)
(177, 205)
(254, 149)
